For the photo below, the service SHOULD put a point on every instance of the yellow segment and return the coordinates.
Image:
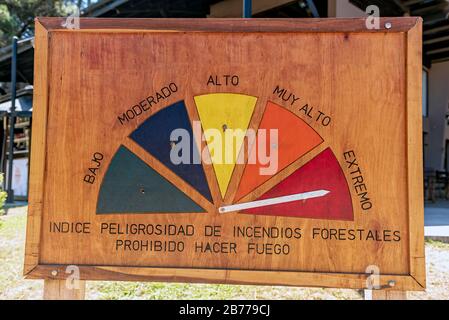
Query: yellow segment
(225, 118)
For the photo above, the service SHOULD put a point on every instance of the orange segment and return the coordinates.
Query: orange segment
(295, 138)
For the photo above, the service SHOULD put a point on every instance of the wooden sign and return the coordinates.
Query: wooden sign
(231, 151)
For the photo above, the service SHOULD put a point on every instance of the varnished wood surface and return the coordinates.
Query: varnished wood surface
(236, 25)
(414, 154)
(365, 81)
(315, 279)
(58, 290)
(389, 295)
(37, 158)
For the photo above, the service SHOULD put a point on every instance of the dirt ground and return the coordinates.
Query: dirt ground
(13, 286)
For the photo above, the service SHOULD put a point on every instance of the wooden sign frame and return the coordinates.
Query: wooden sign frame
(410, 27)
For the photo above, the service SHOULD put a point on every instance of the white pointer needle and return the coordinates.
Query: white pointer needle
(273, 201)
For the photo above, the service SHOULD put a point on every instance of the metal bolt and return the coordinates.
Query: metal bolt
(142, 190)
(391, 283)
(388, 25)
(54, 273)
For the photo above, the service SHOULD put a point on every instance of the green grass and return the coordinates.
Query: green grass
(437, 244)
(12, 240)
(159, 291)
(12, 227)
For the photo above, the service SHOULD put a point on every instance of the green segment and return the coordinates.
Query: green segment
(131, 186)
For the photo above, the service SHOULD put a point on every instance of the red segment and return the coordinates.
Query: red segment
(295, 138)
(321, 173)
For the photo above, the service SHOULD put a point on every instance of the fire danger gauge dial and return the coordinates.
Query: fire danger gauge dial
(318, 189)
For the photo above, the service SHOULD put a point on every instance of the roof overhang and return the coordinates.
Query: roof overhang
(435, 14)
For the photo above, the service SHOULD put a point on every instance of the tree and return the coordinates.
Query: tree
(17, 16)
(3, 195)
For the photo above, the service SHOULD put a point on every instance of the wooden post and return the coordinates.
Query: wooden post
(385, 295)
(58, 290)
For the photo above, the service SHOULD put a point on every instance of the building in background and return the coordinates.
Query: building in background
(435, 111)
(435, 52)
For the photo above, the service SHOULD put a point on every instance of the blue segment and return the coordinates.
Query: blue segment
(131, 186)
(154, 136)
